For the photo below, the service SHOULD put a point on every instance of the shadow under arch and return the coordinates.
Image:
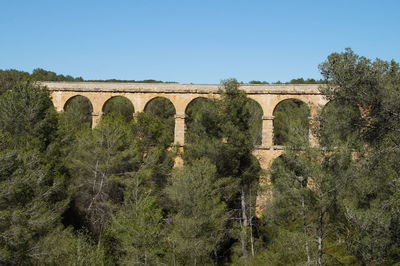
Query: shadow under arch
(161, 107)
(164, 109)
(291, 121)
(119, 105)
(201, 118)
(78, 111)
(255, 120)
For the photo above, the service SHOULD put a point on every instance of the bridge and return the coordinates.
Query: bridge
(181, 95)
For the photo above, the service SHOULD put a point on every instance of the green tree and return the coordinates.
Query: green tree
(33, 192)
(138, 226)
(27, 113)
(371, 201)
(67, 247)
(78, 114)
(135, 234)
(10, 78)
(104, 159)
(307, 193)
(165, 111)
(221, 131)
(240, 163)
(290, 120)
(198, 215)
(99, 161)
(345, 196)
(40, 74)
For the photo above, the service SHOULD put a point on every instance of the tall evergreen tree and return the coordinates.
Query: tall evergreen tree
(33, 192)
(198, 215)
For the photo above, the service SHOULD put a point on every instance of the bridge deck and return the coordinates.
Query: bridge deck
(180, 88)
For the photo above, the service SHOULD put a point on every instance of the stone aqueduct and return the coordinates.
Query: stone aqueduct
(181, 95)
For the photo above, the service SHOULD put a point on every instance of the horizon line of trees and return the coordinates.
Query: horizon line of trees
(39, 74)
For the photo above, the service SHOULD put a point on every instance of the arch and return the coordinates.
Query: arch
(196, 100)
(79, 98)
(291, 121)
(78, 110)
(164, 109)
(201, 117)
(161, 107)
(120, 105)
(256, 120)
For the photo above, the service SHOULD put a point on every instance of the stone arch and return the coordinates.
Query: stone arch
(194, 100)
(164, 109)
(119, 104)
(160, 100)
(79, 111)
(195, 117)
(75, 97)
(256, 120)
(290, 117)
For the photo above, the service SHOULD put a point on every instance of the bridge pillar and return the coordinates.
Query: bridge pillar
(96, 116)
(267, 131)
(313, 126)
(179, 134)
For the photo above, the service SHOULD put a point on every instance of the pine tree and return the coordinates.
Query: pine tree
(138, 226)
(33, 192)
(198, 215)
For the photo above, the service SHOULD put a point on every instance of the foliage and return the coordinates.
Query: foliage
(100, 160)
(344, 196)
(33, 192)
(371, 205)
(10, 78)
(119, 105)
(138, 226)
(40, 74)
(220, 130)
(198, 215)
(27, 113)
(78, 113)
(74, 195)
(165, 111)
(290, 121)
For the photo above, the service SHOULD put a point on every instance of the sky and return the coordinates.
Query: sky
(193, 41)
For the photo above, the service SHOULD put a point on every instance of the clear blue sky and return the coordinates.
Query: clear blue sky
(193, 41)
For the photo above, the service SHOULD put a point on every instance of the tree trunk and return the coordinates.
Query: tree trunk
(251, 225)
(305, 231)
(320, 235)
(244, 224)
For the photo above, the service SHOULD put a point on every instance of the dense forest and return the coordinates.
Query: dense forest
(73, 195)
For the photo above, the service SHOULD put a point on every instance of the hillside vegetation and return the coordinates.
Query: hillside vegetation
(73, 195)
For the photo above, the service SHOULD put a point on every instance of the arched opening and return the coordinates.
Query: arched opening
(201, 119)
(339, 123)
(78, 112)
(164, 109)
(119, 105)
(291, 122)
(256, 114)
